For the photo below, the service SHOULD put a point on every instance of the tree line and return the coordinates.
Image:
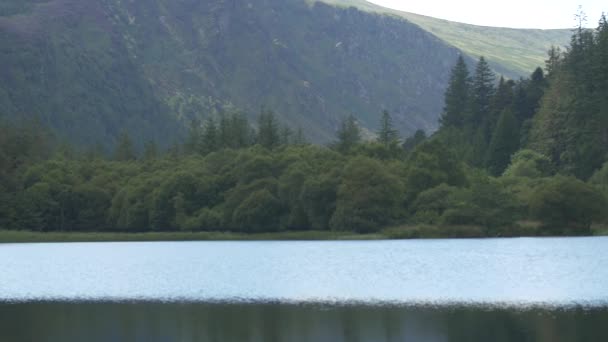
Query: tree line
(523, 157)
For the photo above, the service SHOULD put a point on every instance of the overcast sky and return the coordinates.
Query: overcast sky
(512, 13)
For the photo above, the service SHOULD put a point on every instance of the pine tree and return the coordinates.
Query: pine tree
(124, 148)
(483, 91)
(223, 139)
(502, 99)
(554, 60)
(268, 130)
(418, 138)
(536, 89)
(504, 95)
(505, 142)
(457, 96)
(150, 150)
(240, 131)
(286, 135)
(193, 141)
(387, 135)
(600, 61)
(209, 140)
(300, 138)
(349, 135)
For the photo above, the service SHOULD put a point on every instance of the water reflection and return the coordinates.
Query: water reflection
(294, 323)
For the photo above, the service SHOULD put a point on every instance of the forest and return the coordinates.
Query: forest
(511, 158)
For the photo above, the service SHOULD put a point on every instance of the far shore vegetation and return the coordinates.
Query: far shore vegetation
(524, 157)
(524, 229)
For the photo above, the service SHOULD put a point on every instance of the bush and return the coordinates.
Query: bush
(368, 197)
(528, 163)
(567, 205)
(431, 204)
(258, 213)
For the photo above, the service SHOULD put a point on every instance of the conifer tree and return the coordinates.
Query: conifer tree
(387, 135)
(150, 150)
(418, 138)
(457, 96)
(268, 129)
(483, 91)
(505, 142)
(349, 135)
(536, 90)
(286, 135)
(210, 136)
(553, 61)
(240, 131)
(504, 96)
(124, 148)
(193, 142)
(500, 101)
(223, 139)
(299, 137)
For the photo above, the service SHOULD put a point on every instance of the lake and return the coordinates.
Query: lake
(553, 289)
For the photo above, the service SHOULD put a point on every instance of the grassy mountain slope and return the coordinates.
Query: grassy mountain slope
(88, 66)
(513, 52)
(93, 68)
(313, 64)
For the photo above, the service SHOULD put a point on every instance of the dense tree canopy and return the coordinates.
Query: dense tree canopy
(507, 152)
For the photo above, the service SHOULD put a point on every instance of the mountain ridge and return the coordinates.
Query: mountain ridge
(91, 69)
(530, 44)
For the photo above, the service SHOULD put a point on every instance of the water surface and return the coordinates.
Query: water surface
(437, 290)
(555, 272)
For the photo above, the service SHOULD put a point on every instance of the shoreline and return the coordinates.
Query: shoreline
(8, 236)
(13, 236)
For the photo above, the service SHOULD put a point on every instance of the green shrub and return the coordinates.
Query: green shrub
(567, 205)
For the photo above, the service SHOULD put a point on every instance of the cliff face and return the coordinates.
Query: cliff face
(92, 68)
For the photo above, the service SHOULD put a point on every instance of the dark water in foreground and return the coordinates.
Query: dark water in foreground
(277, 322)
(433, 290)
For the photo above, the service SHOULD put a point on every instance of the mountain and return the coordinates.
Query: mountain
(92, 69)
(512, 52)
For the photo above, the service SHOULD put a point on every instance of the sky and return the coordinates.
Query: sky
(545, 14)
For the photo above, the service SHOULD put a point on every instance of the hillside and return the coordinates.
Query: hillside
(65, 64)
(513, 52)
(92, 69)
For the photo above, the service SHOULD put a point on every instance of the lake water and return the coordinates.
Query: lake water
(423, 290)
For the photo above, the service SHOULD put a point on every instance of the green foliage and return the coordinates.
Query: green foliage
(528, 163)
(124, 148)
(348, 136)
(150, 151)
(572, 126)
(430, 165)
(304, 187)
(484, 204)
(457, 106)
(483, 90)
(387, 135)
(258, 212)
(229, 176)
(418, 138)
(368, 197)
(505, 142)
(431, 204)
(268, 130)
(566, 205)
(600, 177)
